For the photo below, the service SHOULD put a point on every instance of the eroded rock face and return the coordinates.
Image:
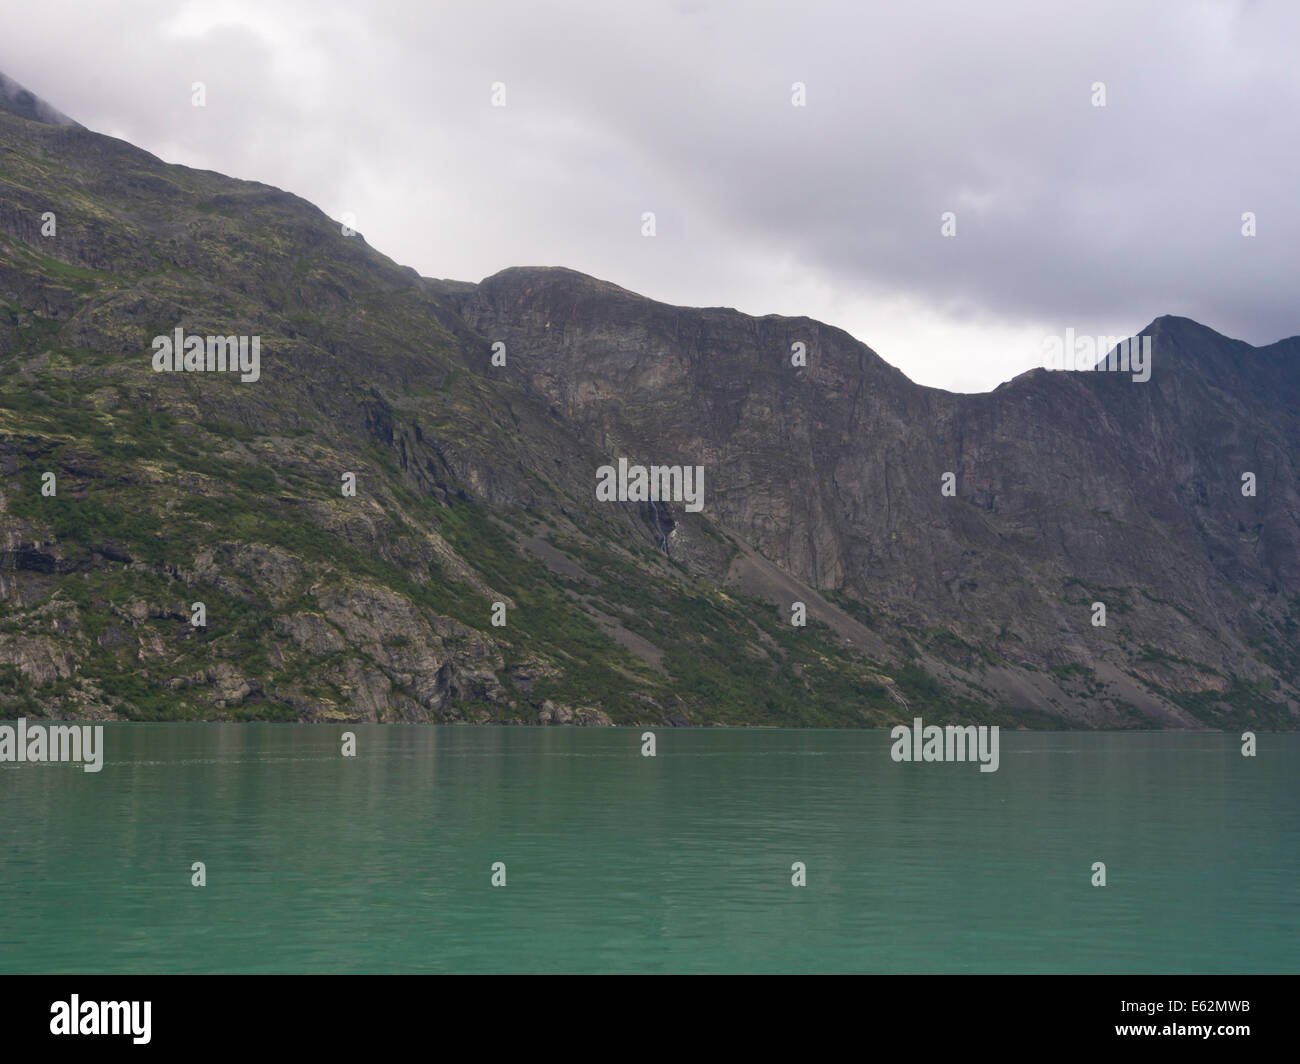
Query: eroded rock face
(475, 577)
(1070, 487)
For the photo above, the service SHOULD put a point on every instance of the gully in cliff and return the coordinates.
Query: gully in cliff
(684, 484)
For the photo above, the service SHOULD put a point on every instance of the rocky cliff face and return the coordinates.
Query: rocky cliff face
(475, 485)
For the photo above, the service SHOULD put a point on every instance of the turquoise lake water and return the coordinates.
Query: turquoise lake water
(621, 863)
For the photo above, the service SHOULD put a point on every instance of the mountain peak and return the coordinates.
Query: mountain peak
(25, 104)
(1175, 325)
(561, 278)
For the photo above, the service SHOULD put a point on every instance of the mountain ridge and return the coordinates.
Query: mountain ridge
(475, 486)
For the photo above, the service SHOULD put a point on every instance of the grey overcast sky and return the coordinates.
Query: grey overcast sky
(1095, 218)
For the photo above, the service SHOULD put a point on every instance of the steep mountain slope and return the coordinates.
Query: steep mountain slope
(475, 485)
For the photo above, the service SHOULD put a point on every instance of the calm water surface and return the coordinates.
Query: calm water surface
(677, 863)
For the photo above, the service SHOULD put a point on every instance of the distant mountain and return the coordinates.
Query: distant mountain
(476, 484)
